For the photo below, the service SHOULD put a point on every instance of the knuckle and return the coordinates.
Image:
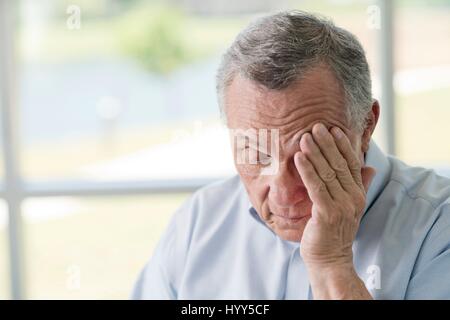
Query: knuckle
(329, 176)
(360, 201)
(354, 165)
(359, 182)
(320, 187)
(347, 181)
(340, 165)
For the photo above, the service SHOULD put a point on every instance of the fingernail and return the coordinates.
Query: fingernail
(321, 130)
(306, 137)
(337, 132)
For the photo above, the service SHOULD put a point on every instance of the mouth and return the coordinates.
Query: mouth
(289, 220)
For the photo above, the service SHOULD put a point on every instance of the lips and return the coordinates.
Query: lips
(287, 217)
(289, 223)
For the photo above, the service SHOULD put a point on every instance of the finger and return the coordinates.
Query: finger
(345, 148)
(367, 173)
(337, 162)
(317, 190)
(323, 169)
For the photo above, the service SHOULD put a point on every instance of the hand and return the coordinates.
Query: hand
(337, 186)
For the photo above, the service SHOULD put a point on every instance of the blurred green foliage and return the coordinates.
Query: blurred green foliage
(161, 36)
(153, 35)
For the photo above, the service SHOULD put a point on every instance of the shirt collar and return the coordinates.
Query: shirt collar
(374, 158)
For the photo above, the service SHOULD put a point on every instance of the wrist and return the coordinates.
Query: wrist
(340, 262)
(331, 272)
(336, 282)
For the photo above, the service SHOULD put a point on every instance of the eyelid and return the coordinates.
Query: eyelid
(251, 145)
(259, 151)
(254, 147)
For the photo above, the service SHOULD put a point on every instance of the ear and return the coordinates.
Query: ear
(371, 123)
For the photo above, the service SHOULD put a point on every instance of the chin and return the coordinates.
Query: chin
(290, 235)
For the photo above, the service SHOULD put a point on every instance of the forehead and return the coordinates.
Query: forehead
(316, 97)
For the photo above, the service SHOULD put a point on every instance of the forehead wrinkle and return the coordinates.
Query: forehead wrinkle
(287, 105)
(261, 106)
(301, 116)
(286, 111)
(291, 136)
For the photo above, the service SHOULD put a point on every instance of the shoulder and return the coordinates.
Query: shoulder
(420, 184)
(210, 206)
(217, 192)
(426, 200)
(198, 217)
(216, 205)
(216, 198)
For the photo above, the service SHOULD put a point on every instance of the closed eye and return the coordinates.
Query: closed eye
(262, 158)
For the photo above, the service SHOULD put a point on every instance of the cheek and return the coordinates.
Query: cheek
(256, 187)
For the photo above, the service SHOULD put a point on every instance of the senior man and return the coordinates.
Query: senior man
(335, 218)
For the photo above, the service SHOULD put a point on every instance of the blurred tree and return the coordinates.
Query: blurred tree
(153, 35)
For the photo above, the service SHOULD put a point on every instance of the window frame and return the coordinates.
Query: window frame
(15, 189)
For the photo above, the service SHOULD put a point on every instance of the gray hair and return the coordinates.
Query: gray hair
(278, 49)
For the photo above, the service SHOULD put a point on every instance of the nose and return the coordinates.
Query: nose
(286, 186)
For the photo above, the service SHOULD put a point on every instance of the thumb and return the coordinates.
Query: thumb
(367, 175)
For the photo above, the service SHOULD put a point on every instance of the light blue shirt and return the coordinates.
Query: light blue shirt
(216, 246)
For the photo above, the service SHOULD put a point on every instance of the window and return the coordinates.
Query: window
(92, 248)
(422, 83)
(4, 265)
(117, 122)
(128, 91)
